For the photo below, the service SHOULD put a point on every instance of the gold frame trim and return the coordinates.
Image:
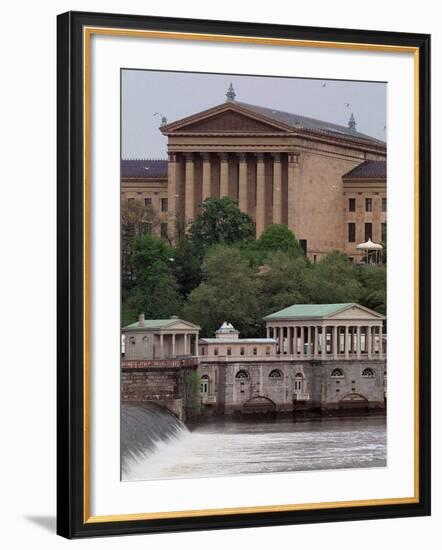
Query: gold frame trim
(87, 34)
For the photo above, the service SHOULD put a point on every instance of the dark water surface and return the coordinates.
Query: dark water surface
(155, 445)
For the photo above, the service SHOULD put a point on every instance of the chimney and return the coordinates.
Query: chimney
(141, 319)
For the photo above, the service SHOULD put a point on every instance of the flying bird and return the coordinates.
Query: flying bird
(324, 85)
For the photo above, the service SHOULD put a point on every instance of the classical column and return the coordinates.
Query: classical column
(242, 183)
(281, 340)
(224, 175)
(277, 188)
(324, 330)
(185, 344)
(267, 332)
(370, 350)
(293, 176)
(207, 177)
(196, 345)
(309, 340)
(260, 194)
(346, 343)
(189, 202)
(316, 342)
(172, 177)
(335, 342)
(358, 342)
(161, 346)
(173, 345)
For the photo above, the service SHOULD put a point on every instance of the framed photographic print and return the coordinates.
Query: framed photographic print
(230, 307)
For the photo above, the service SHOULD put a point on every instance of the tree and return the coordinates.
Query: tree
(186, 267)
(220, 221)
(373, 280)
(333, 280)
(155, 290)
(279, 237)
(282, 283)
(228, 292)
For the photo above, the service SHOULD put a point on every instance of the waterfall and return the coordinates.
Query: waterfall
(144, 426)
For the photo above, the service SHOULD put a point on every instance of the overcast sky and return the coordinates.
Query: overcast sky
(176, 95)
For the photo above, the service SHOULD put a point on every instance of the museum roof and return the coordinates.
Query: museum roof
(308, 123)
(368, 169)
(144, 168)
(303, 311)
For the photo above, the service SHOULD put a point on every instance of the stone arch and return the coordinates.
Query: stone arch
(276, 374)
(259, 405)
(354, 401)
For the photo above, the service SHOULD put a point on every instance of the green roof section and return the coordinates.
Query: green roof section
(158, 324)
(305, 311)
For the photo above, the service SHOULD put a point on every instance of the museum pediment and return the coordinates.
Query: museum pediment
(225, 119)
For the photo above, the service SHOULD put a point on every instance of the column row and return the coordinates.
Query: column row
(226, 163)
(332, 341)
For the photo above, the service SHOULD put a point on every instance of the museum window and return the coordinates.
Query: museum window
(352, 205)
(351, 232)
(203, 351)
(299, 379)
(242, 375)
(148, 228)
(267, 350)
(164, 230)
(384, 232)
(148, 202)
(368, 231)
(275, 373)
(164, 205)
(229, 351)
(255, 351)
(131, 199)
(384, 204)
(241, 351)
(368, 373)
(303, 245)
(368, 205)
(337, 373)
(205, 384)
(132, 340)
(215, 351)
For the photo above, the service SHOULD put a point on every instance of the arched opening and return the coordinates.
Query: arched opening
(259, 405)
(242, 375)
(204, 384)
(368, 373)
(275, 374)
(354, 402)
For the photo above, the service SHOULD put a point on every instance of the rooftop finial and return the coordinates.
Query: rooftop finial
(230, 93)
(352, 122)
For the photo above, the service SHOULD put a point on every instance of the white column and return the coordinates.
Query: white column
(358, 342)
(293, 176)
(281, 340)
(161, 346)
(370, 343)
(172, 182)
(324, 336)
(185, 344)
(316, 342)
(346, 342)
(267, 332)
(196, 345)
(309, 340)
(173, 345)
(335, 342)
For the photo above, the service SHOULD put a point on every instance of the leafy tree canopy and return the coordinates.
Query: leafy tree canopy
(220, 221)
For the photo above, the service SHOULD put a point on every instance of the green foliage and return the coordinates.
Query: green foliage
(220, 221)
(155, 291)
(333, 280)
(228, 292)
(193, 397)
(373, 281)
(186, 267)
(278, 237)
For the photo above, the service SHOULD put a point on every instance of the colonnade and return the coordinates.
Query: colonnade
(331, 341)
(195, 176)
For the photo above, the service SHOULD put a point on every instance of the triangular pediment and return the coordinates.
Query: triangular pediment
(356, 311)
(227, 118)
(179, 324)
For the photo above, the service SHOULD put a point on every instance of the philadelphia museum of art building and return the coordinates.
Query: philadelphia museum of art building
(326, 182)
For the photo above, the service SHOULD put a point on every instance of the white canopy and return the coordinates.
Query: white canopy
(369, 245)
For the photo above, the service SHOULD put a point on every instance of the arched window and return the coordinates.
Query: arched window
(132, 339)
(275, 374)
(337, 373)
(204, 384)
(299, 379)
(242, 375)
(368, 373)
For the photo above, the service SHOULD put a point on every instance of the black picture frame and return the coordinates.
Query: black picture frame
(72, 520)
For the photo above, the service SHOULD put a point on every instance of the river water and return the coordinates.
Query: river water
(218, 448)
